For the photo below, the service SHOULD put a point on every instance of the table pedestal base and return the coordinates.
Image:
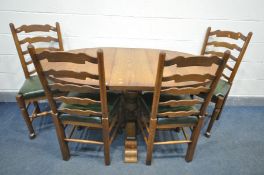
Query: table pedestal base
(130, 143)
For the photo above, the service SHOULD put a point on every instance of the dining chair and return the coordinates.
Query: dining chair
(172, 107)
(84, 105)
(31, 91)
(214, 43)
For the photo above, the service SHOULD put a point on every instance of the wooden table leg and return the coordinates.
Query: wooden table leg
(131, 140)
(130, 143)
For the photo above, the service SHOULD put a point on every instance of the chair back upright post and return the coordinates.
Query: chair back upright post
(158, 82)
(206, 38)
(104, 106)
(102, 84)
(29, 29)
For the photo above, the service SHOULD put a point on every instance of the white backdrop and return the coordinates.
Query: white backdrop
(167, 24)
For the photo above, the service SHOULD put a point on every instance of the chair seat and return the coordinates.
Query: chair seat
(148, 97)
(222, 88)
(111, 98)
(32, 88)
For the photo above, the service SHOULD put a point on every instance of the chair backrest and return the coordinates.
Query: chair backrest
(37, 35)
(67, 80)
(236, 43)
(195, 84)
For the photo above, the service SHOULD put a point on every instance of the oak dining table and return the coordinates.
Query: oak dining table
(130, 71)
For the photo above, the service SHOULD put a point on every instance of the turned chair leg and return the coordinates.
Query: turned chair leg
(221, 108)
(151, 137)
(216, 112)
(149, 149)
(23, 109)
(194, 139)
(61, 137)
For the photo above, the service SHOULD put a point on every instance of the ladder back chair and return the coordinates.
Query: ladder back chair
(173, 108)
(237, 44)
(84, 105)
(31, 91)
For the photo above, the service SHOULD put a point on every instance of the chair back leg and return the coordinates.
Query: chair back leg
(218, 107)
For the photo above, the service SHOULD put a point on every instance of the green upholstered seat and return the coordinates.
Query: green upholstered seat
(111, 99)
(148, 97)
(222, 88)
(32, 88)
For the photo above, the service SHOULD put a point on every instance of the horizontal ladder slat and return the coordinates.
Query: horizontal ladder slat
(185, 90)
(80, 112)
(78, 58)
(220, 54)
(228, 34)
(56, 80)
(70, 74)
(35, 28)
(76, 100)
(229, 67)
(190, 77)
(38, 39)
(173, 103)
(194, 61)
(233, 58)
(39, 50)
(29, 62)
(225, 76)
(25, 52)
(32, 72)
(172, 114)
(224, 44)
(73, 87)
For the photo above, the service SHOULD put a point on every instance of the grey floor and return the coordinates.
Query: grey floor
(236, 147)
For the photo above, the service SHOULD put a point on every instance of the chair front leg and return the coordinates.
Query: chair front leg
(194, 139)
(106, 141)
(150, 141)
(61, 137)
(221, 108)
(23, 109)
(216, 112)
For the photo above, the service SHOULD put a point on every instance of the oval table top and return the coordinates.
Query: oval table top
(130, 68)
